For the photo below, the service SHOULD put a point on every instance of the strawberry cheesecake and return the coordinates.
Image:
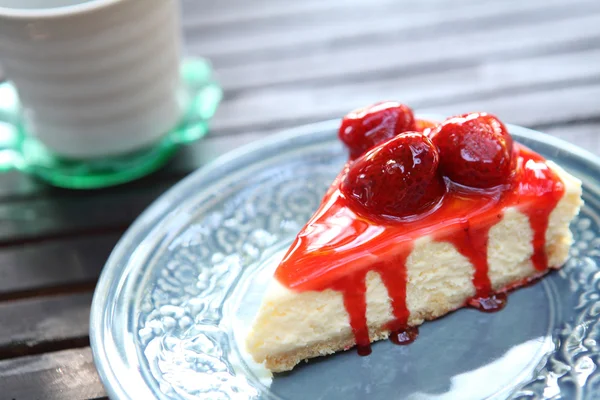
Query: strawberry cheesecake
(423, 219)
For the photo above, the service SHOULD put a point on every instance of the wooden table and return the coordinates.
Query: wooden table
(283, 63)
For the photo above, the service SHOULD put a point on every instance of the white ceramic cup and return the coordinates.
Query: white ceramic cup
(96, 78)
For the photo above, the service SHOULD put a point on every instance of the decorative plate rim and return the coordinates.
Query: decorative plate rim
(101, 341)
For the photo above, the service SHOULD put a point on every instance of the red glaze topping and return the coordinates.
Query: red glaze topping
(398, 178)
(475, 150)
(347, 238)
(367, 127)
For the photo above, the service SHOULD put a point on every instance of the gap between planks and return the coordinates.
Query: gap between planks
(49, 291)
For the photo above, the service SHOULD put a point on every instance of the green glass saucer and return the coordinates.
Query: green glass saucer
(201, 95)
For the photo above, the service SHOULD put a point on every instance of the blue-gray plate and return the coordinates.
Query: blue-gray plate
(180, 289)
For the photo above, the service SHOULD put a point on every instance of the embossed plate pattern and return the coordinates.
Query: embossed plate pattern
(176, 296)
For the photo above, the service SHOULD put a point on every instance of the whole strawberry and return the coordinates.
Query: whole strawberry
(475, 150)
(367, 127)
(398, 178)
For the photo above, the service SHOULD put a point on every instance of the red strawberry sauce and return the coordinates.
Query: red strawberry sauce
(339, 246)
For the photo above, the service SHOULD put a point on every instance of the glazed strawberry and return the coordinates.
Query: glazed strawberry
(367, 127)
(475, 150)
(398, 178)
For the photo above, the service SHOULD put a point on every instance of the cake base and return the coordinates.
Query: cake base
(284, 362)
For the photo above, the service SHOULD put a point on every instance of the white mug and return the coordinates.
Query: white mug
(95, 78)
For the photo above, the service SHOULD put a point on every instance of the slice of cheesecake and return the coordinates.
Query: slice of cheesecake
(417, 225)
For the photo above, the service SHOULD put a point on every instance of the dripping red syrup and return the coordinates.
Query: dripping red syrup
(339, 246)
(363, 349)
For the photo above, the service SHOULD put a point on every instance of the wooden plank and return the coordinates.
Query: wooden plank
(44, 324)
(540, 109)
(202, 153)
(243, 14)
(53, 267)
(474, 86)
(68, 374)
(248, 14)
(310, 38)
(74, 213)
(302, 15)
(15, 186)
(586, 135)
(62, 265)
(379, 60)
(239, 12)
(63, 213)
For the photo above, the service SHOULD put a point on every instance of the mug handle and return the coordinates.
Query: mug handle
(10, 140)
